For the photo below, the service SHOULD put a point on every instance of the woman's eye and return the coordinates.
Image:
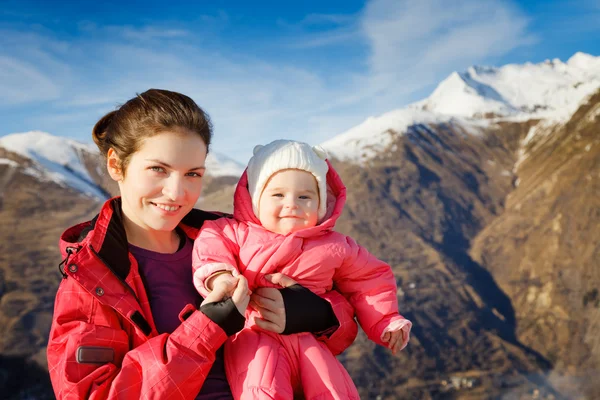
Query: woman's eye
(194, 174)
(157, 169)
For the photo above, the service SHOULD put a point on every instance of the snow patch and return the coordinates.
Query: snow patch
(521, 157)
(377, 133)
(6, 161)
(473, 127)
(541, 130)
(530, 135)
(35, 173)
(593, 113)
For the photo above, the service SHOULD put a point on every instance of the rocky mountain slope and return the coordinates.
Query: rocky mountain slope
(33, 213)
(544, 249)
(418, 206)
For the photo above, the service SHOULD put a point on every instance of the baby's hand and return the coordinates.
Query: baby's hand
(240, 294)
(224, 282)
(394, 340)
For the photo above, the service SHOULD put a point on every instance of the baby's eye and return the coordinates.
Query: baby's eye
(277, 195)
(304, 197)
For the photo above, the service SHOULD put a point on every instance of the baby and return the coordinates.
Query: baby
(285, 208)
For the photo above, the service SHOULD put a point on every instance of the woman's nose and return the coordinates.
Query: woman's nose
(173, 188)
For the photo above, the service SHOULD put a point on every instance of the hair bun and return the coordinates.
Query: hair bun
(100, 131)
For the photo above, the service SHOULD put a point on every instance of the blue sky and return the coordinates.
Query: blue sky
(307, 70)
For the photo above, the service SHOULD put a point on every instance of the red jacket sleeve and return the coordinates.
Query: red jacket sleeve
(370, 286)
(166, 366)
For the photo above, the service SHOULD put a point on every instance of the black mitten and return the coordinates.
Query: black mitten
(306, 312)
(225, 314)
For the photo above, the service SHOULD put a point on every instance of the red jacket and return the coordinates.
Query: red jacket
(103, 343)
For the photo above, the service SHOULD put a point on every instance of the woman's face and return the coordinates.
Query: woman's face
(163, 180)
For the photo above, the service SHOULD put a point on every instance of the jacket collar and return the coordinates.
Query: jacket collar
(105, 235)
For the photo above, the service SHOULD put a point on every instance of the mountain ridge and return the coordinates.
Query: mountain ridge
(550, 91)
(78, 165)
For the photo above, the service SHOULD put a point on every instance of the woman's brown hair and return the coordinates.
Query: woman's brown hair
(146, 115)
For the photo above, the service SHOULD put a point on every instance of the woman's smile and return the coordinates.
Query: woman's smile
(173, 208)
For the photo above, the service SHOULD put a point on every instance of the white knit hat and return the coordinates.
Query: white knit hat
(287, 154)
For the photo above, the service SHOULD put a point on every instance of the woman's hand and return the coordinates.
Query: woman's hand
(269, 303)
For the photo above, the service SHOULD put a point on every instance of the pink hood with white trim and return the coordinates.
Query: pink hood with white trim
(336, 198)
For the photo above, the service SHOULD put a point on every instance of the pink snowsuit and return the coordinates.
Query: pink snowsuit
(264, 365)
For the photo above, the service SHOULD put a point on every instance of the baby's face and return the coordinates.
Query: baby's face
(289, 202)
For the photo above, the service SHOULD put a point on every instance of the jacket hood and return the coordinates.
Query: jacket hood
(336, 198)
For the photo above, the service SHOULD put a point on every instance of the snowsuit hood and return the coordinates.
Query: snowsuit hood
(336, 199)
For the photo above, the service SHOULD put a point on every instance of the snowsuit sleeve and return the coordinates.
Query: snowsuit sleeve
(215, 249)
(370, 286)
(166, 366)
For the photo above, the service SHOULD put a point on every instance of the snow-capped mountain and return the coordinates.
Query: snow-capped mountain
(67, 162)
(481, 96)
(220, 165)
(551, 89)
(375, 134)
(56, 159)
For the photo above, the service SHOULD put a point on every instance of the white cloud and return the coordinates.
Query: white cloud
(21, 82)
(321, 30)
(149, 32)
(411, 45)
(336, 19)
(330, 38)
(129, 32)
(416, 43)
(31, 67)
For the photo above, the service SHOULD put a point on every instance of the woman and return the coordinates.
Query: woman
(127, 321)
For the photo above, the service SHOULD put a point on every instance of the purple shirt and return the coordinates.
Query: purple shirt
(168, 279)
